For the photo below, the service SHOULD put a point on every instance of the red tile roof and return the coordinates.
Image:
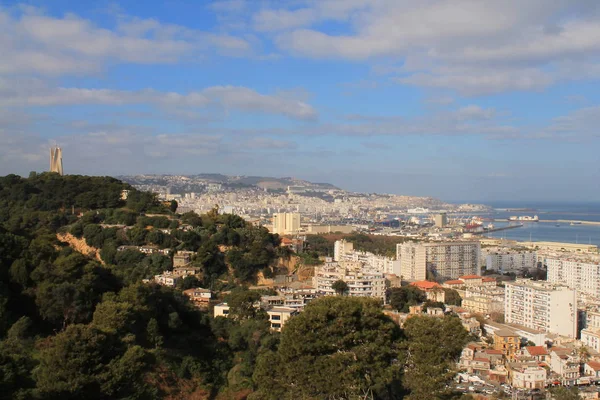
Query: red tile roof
(481, 359)
(489, 279)
(595, 365)
(494, 351)
(470, 277)
(537, 350)
(454, 282)
(425, 285)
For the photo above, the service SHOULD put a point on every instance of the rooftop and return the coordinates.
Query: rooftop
(470, 277)
(426, 285)
(537, 350)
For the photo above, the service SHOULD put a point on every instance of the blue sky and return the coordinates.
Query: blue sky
(462, 99)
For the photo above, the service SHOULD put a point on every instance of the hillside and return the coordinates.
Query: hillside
(75, 326)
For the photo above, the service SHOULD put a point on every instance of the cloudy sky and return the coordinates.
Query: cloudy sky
(459, 99)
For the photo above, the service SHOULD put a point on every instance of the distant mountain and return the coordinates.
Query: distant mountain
(240, 181)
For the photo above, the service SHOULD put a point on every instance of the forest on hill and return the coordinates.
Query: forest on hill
(74, 326)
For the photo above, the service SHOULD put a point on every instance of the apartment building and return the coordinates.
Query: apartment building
(506, 261)
(581, 274)
(341, 247)
(482, 305)
(286, 223)
(541, 305)
(445, 260)
(278, 316)
(362, 281)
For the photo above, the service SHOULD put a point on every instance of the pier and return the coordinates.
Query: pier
(568, 221)
(502, 228)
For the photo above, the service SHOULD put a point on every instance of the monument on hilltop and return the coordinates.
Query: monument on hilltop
(56, 164)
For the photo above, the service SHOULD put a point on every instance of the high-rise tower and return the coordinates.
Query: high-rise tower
(56, 164)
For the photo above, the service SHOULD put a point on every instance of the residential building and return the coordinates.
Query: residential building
(361, 281)
(538, 353)
(510, 261)
(382, 264)
(413, 261)
(592, 368)
(340, 248)
(565, 363)
(507, 341)
(590, 337)
(199, 296)
(278, 316)
(445, 260)
(286, 223)
(542, 306)
(581, 274)
(182, 258)
(527, 375)
(166, 279)
(482, 305)
(433, 290)
(440, 220)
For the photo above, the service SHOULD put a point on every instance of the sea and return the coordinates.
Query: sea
(548, 231)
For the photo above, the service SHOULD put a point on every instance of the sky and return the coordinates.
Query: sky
(480, 100)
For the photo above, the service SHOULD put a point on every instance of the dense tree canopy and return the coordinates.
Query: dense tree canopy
(339, 346)
(403, 297)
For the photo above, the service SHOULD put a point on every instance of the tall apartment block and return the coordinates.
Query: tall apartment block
(542, 306)
(448, 260)
(340, 248)
(511, 262)
(580, 274)
(286, 223)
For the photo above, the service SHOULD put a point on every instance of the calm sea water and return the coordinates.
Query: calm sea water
(543, 231)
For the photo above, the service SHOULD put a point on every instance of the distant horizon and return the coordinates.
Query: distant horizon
(355, 93)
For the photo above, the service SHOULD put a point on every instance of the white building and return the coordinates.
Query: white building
(286, 223)
(580, 274)
(448, 260)
(278, 316)
(542, 306)
(340, 248)
(510, 261)
(361, 281)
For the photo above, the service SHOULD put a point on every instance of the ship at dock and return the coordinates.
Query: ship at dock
(525, 218)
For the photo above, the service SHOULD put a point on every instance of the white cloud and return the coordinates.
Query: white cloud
(474, 47)
(31, 42)
(34, 92)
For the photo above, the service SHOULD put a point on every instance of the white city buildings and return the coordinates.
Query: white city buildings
(445, 260)
(286, 223)
(361, 281)
(510, 261)
(344, 251)
(542, 306)
(340, 248)
(582, 274)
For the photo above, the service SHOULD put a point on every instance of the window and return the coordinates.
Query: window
(276, 325)
(276, 317)
(225, 312)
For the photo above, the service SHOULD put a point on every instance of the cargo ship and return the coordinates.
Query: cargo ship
(526, 218)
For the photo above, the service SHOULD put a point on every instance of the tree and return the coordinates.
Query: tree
(340, 287)
(433, 346)
(452, 297)
(173, 206)
(243, 304)
(563, 393)
(339, 347)
(403, 297)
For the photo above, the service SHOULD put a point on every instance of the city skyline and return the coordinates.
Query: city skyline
(371, 96)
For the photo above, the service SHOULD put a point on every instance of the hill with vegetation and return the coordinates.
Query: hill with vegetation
(89, 325)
